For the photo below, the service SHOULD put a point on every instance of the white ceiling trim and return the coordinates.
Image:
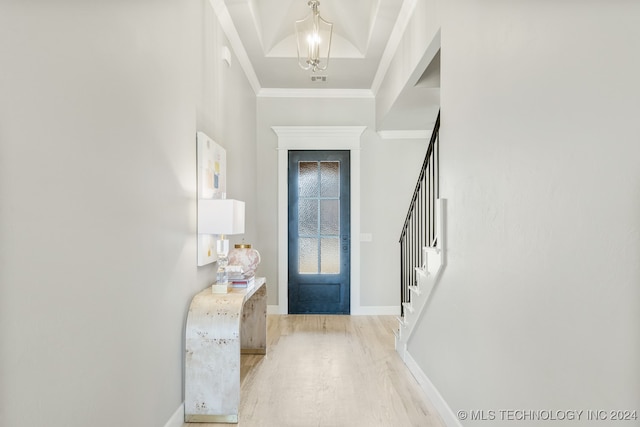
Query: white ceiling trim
(314, 93)
(231, 32)
(405, 134)
(314, 137)
(399, 29)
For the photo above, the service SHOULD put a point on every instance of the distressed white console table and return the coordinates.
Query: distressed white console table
(219, 328)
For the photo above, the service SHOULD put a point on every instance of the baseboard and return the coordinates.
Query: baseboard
(177, 419)
(445, 412)
(367, 310)
(273, 309)
(376, 310)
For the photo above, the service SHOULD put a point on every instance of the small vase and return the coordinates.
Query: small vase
(245, 256)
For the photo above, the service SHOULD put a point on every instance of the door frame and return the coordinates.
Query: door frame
(317, 138)
(322, 285)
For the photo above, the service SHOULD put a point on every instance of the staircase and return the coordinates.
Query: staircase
(421, 244)
(427, 275)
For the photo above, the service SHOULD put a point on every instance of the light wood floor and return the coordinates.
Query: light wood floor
(330, 371)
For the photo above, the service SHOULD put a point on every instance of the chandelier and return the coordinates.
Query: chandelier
(313, 35)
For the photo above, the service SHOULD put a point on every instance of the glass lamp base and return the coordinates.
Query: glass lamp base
(222, 248)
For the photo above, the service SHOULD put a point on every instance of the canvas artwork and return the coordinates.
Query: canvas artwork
(212, 184)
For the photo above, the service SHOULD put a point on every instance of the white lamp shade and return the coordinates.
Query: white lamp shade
(220, 216)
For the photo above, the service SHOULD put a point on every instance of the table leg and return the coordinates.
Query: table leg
(253, 328)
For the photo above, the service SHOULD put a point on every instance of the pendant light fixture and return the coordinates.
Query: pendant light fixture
(313, 35)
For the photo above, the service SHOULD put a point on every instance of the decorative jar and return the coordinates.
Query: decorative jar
(247, 257)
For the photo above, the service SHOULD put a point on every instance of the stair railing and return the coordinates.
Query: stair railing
(419, 229)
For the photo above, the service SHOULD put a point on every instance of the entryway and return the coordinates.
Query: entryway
(319, 232)
(310, 138)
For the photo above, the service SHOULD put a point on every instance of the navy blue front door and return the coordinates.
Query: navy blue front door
(319, 232)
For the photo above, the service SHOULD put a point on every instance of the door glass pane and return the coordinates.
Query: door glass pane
(308, 217)
(308, 256)
(330, 217)
(330, 179)
(308, 179)
(330, 249)
(319, 217)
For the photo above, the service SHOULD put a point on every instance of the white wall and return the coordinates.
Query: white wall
(390, 170)
(99, 107)
(227, 113)
(387, 180)
(416, 49)
(538, 305)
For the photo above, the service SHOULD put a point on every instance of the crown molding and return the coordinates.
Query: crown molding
(406, 11)
(314, 93)
(231, 32)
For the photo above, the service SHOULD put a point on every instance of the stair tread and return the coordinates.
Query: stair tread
(415, 289)
(408, 306)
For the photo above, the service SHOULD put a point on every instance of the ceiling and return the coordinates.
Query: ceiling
(365, 36)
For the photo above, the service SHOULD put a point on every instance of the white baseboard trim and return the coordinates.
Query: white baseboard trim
(177, 419)
(376, 310)
(445, 412)
(367, 310)
(273, 309)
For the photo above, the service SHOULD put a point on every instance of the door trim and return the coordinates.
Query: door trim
(318, 138)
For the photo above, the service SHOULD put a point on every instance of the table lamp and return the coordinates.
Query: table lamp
(221, 217)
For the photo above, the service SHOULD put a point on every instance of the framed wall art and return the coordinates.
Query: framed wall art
(212, 184)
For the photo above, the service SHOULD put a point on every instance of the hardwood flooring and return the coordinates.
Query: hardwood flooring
(330, 371)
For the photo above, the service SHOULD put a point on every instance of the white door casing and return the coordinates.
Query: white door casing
(318, 138)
